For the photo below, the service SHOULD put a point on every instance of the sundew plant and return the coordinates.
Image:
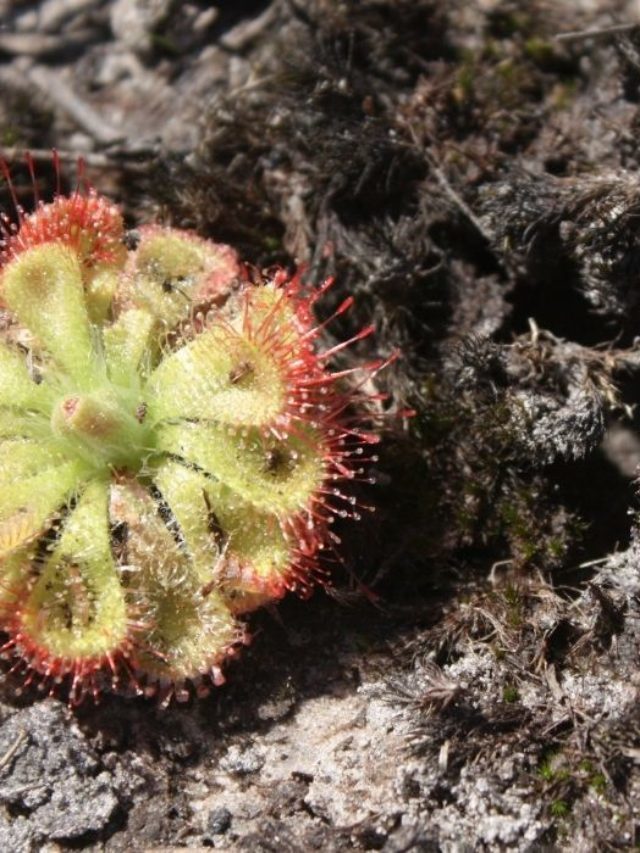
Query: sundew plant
(173, 448)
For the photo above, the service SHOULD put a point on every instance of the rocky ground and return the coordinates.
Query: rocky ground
(470, 172)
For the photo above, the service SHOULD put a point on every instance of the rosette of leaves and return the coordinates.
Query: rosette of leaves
(170, 440)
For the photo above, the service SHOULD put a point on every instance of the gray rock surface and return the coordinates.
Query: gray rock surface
(52, 784)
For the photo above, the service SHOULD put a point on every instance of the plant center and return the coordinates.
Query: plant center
(106, 427)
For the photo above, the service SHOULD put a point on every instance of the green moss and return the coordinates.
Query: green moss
(514, 606)
(9, 136)
(546, 771)
(552, 767)
(272, 243)
(563, 95)
(599, 783)
(465, 81)
(560, 808)
(539, 50)
(507, 22)
(510, 694)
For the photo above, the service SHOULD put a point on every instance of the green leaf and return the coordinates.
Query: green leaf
(277, 476)
(27, 507)
(126, 343)
(220, 376)
(77, 609)
(43, 286)
(23, 457)
(189, 627)
(234, 545)
(17, 388)
(15, 424)
(174, 270)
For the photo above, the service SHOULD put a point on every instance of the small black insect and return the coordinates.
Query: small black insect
(76, 591)
(119, 533)
(170, 285)
(274, 460)
(240, 372)
(213, 523)
(131, 239)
